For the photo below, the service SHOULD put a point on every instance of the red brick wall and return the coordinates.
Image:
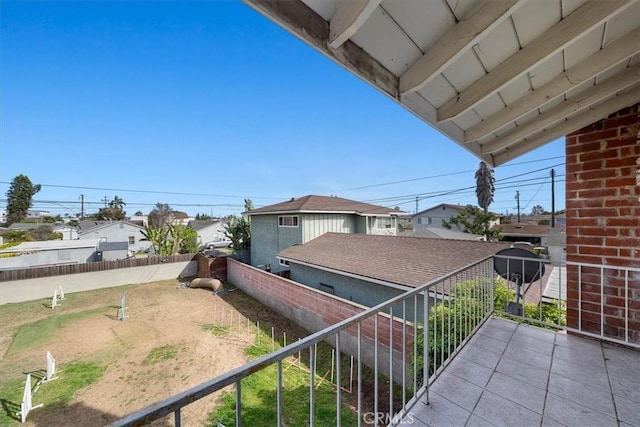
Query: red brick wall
(603, 223)
(315, 310)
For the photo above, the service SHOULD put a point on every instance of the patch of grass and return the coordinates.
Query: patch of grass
(259, 395)
(71, 378)
(216, 330)
(161, 353)
(43, 331)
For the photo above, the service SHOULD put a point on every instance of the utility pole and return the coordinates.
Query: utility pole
(105, 200)
(553, 198)
(81, 206)
(416, 204)
(518, 201)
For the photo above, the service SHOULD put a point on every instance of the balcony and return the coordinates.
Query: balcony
(513, 374)
(446, 353)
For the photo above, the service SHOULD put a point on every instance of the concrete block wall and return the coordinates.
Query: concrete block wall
(603, 224)
(315, 310)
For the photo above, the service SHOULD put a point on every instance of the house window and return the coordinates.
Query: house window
(430, 221)
(132, 240)
(384, 222)
(288, 221)
(419, 220)
(121, 225)
(284, 262)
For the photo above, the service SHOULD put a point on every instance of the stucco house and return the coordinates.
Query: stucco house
(370, 269)
(299, 220)
(114, 231)
(208, 231)
(49, 252)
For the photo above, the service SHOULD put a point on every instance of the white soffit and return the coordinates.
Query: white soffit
(499, 77)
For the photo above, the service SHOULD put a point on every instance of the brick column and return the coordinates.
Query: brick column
(603, 224)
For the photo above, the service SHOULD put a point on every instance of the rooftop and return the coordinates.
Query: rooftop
(320, 204)
(512, 374)
(48, 245)
(405, 261)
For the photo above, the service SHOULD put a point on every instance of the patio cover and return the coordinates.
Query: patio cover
(499, 77)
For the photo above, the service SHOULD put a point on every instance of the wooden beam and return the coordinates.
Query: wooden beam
(301, 21)
(611, 55)
(455, 42)
(587, 16)
(622, 100)
(615, 84)
(350, 16)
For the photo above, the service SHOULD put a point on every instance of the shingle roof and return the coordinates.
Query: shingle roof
(448, 205)
(52, 245)
(407, 261)
(440, 233)
(313, 203)
(524, 230)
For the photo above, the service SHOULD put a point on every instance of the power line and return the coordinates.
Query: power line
(446, 174)
(178, 193)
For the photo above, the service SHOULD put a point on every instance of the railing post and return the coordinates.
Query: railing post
(239, 403)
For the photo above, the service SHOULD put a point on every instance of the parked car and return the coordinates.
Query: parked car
(218, 243)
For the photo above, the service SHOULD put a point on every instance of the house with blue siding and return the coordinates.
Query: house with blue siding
(299, 220)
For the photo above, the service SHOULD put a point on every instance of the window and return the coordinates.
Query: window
(419, 220)
(121, 226)
(132, 240)
(430, 220)
(384, 222)
(288, 221)
(284, 262)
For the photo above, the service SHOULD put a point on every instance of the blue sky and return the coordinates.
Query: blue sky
(203, 104)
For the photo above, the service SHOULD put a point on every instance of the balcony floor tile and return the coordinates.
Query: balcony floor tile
(516, 374)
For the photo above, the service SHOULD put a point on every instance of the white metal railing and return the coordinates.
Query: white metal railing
(412, 337)
(595, 300)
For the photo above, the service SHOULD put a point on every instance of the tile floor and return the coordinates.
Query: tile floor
(518, 375)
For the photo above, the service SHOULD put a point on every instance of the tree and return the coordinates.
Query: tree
(20, 198)
(160, 215)
(172, 239)
(472, 219)
(538, 210)
(485, 187)
(138, 213)
(113, 212)
(203, 217)
(238, 230)
(248, 205)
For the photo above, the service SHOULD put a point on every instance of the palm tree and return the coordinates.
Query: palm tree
(117, 203)
(485, 187)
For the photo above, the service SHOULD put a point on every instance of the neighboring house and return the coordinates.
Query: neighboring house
(208, 231)
(142, 220)
(111, 251)
(534, 234)
(3, 217)
(440, 233)
(3, 230)
(433, 217)
(37, 214)
(181, 218)
(114, 231)
(49, 252)
(372, 269)
(299, 220)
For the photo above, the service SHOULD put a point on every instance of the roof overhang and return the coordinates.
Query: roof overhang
(499, 77)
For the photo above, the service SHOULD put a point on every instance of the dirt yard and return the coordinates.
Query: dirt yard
(159, 314)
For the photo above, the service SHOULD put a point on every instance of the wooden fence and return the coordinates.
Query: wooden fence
(60, 270)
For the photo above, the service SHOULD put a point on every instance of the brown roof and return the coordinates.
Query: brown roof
(313, 203)
(524, 229)
(407, 261)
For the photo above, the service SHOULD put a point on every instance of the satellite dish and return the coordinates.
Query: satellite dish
(519, 271)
